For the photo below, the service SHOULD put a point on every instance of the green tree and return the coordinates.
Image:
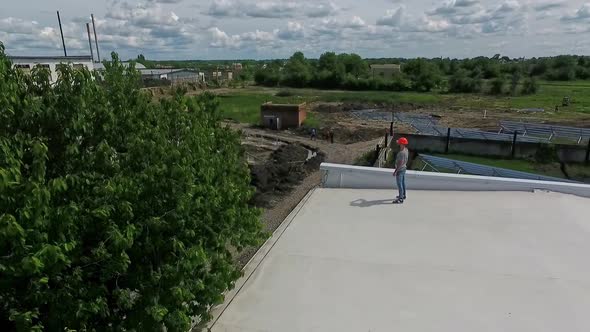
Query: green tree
(330, 73)
(461, 82)
(117, 213)
(424, 75)
(514, 81)
(297, 71)
(354, 65)
(529, 86)
(498, 86)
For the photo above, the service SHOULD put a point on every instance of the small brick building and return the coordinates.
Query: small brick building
(282, 116)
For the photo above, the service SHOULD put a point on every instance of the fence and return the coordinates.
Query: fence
(439, 164)
(473, 134)
(548, 132)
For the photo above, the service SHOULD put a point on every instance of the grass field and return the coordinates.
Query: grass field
(243, 104)
(549, 95)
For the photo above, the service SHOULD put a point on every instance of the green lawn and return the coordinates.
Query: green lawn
(549, 95)
(245, 106)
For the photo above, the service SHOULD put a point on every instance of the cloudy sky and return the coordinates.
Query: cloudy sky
(262, 29)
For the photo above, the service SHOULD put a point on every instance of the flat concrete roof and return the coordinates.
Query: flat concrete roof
(349, 260)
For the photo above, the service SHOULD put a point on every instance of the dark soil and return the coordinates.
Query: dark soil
(344, 134)
(285, 168)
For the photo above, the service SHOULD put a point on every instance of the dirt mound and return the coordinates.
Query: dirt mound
(285, 168)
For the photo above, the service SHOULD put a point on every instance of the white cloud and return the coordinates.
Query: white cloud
(271, 9)
(581, 14)
(466, 3)
(322, 9)
(508, 6)
(270, 28)
(293, 31)
(222, 39)
(545, 6)
(392, 17)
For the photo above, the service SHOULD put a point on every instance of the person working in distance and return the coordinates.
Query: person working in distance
(401, 161)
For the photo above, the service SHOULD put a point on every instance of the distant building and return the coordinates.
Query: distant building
(173, 75)
(282, 116)
(138, 66)
(236, 69)
(386, 71)
(27, 63)
(219, 75)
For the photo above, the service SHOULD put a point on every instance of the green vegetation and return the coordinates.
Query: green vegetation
(367, 159)
(496, 75)
(244, 104)
(312, 120)
(245, 107)
(118, 213)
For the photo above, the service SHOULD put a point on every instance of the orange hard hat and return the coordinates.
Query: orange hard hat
(402, 141)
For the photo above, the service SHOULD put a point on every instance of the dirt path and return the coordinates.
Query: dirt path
(335, 153)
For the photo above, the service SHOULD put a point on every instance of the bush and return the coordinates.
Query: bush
(498, 86)
(460, 82)
(530, 86)
(118, 213)
(284, 93)
(368, 159)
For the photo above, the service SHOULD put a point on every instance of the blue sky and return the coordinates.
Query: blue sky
(262, 29)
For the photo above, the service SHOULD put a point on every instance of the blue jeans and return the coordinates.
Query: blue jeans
(401, 183)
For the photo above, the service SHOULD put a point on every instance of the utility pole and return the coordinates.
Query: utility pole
(62, 34)
(95, 39)
(90, 41)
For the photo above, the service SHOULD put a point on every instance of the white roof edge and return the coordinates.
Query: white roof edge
(347, 176)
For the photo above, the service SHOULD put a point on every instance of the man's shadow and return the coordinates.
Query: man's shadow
(361, 202)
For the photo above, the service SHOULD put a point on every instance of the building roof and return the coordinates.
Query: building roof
(55, 58)
(270, 106)
(349, 260)
(385, 66)
(147, 71)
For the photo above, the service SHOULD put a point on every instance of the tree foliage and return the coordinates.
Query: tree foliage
(461, 82)
(498, 86)
(117, 213)
(424, 75)
(530, 86)
(350, 71)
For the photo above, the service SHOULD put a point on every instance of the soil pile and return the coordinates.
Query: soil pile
(285, 168)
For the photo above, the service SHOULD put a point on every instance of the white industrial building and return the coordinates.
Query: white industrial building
(27, 63)
(173, 75)
(463, 253)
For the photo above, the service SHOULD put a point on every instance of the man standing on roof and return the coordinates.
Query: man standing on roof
(401, 161)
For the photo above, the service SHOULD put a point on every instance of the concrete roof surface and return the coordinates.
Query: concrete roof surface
(349, 260)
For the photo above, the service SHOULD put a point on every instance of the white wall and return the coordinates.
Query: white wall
(356, 177)
(32, 62)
